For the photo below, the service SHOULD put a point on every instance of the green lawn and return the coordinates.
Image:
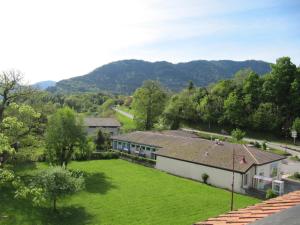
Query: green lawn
(121, 193)
(127, 123)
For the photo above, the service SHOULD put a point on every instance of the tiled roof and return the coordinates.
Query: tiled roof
(101, 122)
(255, 212)
(174, 144)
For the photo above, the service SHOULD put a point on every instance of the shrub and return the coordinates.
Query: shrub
(137, 158)
(264, 145)
(295, 158)
(238, 134)
(85, 151)
(29, 154)
(297, 175)
(270, 194)
(77, 173)
(105, 155)
(256, 144)
(205, 177)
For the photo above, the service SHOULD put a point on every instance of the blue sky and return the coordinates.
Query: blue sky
(63, 38)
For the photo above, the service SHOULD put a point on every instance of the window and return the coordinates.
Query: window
(143, 147)
(274, 171)
(261, 173)
(246, 179)
(148, 148)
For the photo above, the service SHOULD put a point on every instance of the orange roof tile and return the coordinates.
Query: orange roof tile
(255, 212)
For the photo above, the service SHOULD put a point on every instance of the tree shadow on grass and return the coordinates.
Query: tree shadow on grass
(65, 215)
(14, 211)
(98, 183)
(22, 166)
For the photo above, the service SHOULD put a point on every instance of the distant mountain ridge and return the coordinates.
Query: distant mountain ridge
(126, 75)
(44, 84)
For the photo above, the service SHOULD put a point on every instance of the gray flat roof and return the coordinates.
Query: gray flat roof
(101, 122)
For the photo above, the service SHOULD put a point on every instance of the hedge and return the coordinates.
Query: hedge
(138, 159)
(105, 155)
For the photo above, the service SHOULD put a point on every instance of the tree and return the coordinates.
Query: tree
(191, 85)
(57, 182)
(296, 125)
(281, 88)
(211, 108)
(183, 107)
(11, 89)
(148, 104)
(5, 149)
(102, 140)
(266, 117)
(252, 91)
(19, 123)
(238, 134)
(64, 132)
(234, 110)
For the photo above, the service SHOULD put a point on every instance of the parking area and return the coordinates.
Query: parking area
(290, 166)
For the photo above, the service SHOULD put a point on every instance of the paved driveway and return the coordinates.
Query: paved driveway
(290, 166)
(292, 149)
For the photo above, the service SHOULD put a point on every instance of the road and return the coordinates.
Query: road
(294, 150)
(130, 116)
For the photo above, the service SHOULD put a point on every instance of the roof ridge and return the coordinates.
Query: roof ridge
(245, 147)
(170, 135)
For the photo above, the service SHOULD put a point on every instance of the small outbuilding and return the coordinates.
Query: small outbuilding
(109, 125)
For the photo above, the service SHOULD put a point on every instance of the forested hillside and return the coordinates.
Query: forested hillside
(127, 75)
(269, 103)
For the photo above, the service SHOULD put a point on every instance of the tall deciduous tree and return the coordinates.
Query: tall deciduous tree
(183, 107)
(10, 89)
(211, 108)
(234, 110)
(65, 131)
(148, 103)
(266, 117)
(280, 85)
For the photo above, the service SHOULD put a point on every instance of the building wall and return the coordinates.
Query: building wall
(217, 177)
(266, 170)
(249, 176)
(133, 148)
(110, 130)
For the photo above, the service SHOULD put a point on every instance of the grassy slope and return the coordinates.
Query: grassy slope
(126, 109)
(127, 123)
(119, 192)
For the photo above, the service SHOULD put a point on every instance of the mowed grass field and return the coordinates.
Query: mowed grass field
(122, 193)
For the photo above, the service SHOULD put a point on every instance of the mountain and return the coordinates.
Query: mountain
(44, 84)
(127, 75)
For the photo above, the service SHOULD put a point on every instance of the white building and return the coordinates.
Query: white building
(109, 125)
(186, 155)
